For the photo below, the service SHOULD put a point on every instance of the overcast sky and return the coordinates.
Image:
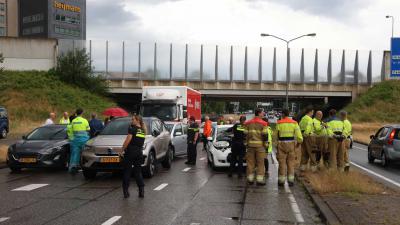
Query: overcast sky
(339, 24)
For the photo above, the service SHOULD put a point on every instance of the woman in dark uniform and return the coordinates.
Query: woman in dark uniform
(133, 155)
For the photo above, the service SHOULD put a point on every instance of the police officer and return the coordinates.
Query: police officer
(307, 129)
(336, 136)
(256, 131)
(78, 134)
(133, 155)
(193, 136)
(321, 139)
(238, 147)
(347, 133)
(289, 135)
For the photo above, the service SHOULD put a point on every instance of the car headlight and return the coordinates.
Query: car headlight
(221, 145)
(52, 150)
(87, 148)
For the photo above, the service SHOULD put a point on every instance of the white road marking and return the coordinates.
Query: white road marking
(363, 149)
(30, 187)
(376, 174)
(2, 219)
(195, 224)
(202, 158)
(162, 186)
(186, 169)
(112, 220)
(292, 199)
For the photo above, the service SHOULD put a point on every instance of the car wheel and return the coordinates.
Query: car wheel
(3, 133)
(150, 168)
(169, 156)
(89, 174)
(384, 160)
(371, 159)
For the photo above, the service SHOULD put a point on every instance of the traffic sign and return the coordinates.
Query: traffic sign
(395, 58)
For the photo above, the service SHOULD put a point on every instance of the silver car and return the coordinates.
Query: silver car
(101, 154)
(178, 132)
(385, 145)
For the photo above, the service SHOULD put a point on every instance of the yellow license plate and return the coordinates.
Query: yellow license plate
(109, 160)
(27, 160)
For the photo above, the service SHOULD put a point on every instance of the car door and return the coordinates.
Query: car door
(165, 136)
(374, 142)
(396, 141)
(380, 142)
(179, 139)
(3, 119)
(155, 132)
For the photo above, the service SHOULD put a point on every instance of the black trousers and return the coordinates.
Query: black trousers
(133, 158)
(192, 152)
(238, 153)
(205, 142)
(266, 163)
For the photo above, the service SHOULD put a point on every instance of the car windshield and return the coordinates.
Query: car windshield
(162, 111)
(169, 127)
(119, 127)
(48, 133)
(222, 135)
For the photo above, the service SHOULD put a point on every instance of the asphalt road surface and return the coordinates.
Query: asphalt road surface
(194, 195)
(389, 175)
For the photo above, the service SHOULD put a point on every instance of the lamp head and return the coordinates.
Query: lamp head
(312, 35)
(388, 16)
(264, 35)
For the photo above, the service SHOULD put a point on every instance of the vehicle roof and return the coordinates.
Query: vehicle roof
(393, 125)
(55, 126)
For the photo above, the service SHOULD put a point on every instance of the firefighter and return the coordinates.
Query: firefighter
(347, 142)
(133, 155)
(238, 147)
(289, 135)
(336, 136)
(193, 135)
(256, 131)
(321, 139)
(307, 129)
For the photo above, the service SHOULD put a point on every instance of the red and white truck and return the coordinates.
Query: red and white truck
(171, 103)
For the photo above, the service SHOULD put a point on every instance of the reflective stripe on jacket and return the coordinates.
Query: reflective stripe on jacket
(256, 131)
(288, 128)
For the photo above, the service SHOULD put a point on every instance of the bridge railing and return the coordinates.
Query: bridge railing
(210, 63)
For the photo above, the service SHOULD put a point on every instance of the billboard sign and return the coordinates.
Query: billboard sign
(395, 58)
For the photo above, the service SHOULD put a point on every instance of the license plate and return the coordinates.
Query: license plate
(27, 160)
(110, 160)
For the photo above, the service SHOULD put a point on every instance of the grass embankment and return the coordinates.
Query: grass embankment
(30, 96)
(379, 106)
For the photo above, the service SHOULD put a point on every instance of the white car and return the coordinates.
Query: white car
(219, 147)
(178, 132)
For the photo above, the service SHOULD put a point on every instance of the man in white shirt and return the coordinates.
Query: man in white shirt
(50, 120)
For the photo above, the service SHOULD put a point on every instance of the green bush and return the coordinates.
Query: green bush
(1, 61)
(74, 67)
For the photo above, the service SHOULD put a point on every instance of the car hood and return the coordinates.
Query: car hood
(37, 146)
(102, 143)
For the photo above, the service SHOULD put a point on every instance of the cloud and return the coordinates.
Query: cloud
(340, 9)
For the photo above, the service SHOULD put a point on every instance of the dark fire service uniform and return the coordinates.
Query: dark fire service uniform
(238, 148)
(134, 156)
(191, 148)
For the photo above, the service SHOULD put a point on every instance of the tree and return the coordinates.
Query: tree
(74, 67)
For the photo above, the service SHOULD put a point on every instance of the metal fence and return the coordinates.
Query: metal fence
(154, 61)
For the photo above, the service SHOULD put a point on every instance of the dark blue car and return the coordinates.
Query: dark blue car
(4, 125)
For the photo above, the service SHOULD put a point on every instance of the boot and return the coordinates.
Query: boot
(250, 179)
(260, 180)
(281, 184)
(291, 183)
(141, 192)
(126, 193)
(346, 169)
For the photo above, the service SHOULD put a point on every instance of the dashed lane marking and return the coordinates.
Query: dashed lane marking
(162, 186)
(202, 158)
(2, 219)
(363, 149)
(292, 199)
(112, 220)
(376, 174)
(30, 187)
(186, 169)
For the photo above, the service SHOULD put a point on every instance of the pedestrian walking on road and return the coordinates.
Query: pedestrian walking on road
(289, 135)
(347, 133)
(193, 136)
(256, 131)
(95, 125)
(307, 129)
(207, 131)
(133, 155)
(65, 119)
(336, 135)
(79, 129)
(321, 139)
(238, 147)
(51, 119)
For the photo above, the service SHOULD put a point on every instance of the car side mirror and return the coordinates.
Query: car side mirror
(372, 137)
(178, 134)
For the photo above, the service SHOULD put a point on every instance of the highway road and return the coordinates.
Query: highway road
(182, 195)
(389, 175)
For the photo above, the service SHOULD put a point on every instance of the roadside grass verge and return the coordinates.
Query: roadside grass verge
(3, 153)
(351, 184)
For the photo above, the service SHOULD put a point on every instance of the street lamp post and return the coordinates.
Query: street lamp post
(287, 52)
(388, 16)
